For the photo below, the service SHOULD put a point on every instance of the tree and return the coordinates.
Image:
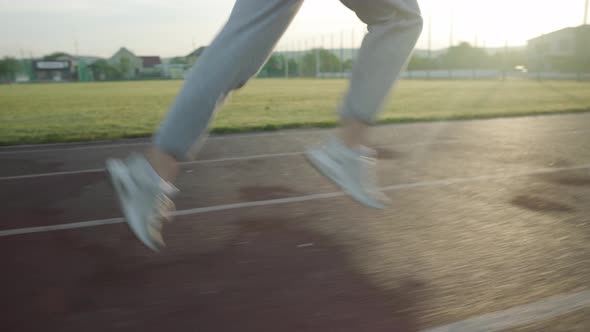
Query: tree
(418, 62)
(507, 60)
(273, 67)
(347, 65)
(464, 56)
(113, 73)
(100, 70)
(179, 61)
(9, 67)
(124, 66)
(293, 67)
(329, 62)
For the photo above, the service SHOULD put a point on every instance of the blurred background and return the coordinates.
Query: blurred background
(117, 40)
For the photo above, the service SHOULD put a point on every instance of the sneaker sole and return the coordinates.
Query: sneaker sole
(117, 172)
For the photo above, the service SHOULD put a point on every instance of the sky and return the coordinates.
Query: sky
(174, 27)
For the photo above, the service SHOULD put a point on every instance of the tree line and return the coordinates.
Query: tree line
(465, 56)
(462, 56)
(9, 68)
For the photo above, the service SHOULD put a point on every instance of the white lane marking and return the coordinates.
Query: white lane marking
(61, 227)
(205, 161)
(40, 148)
(288, 200)
(78, 146)
(99, 170)
(522, 315)
(42, 175)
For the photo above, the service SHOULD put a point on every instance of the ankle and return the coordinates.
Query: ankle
(165, 165)
(353, 134)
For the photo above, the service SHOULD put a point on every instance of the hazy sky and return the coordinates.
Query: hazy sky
(173, 27)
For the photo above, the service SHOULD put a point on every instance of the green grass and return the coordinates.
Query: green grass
(73, 112)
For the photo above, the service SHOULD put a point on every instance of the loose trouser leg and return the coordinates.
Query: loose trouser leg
(235, 55)
(394, 27)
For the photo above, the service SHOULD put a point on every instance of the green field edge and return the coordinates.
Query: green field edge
(294, 125)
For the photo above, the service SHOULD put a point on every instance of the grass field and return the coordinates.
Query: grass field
(91, 111)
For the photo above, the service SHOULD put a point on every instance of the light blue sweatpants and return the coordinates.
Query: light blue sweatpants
(246, 42)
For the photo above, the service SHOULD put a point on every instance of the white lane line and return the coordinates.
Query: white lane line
(99, 170)
(519, 316)
(61, 227)
(288, 200)
(223, 207)
(42, 175)
(71, 148)
(40, 148)
(206, 161)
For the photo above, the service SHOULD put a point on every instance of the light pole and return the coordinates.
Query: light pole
(586, 13)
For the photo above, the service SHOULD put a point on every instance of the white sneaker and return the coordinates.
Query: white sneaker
(353, 171)
(143, 199)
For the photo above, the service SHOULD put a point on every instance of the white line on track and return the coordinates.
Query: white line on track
(99, 170)
(206, 161)
(77, 146)
(288, 200)
(61, 227)
(41, 148)
(42, 175)
(522, 315)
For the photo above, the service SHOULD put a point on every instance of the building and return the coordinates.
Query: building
(128, 63)
(178, 67)
(133, 66)
(175, 71)
(150, 66)
(565, 50)
(79, 66)
(53, 70)
(58, 67)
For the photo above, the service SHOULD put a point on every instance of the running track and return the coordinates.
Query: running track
(488, 231)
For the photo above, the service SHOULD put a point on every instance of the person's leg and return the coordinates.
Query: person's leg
(237, 54)
(394, 27)
(143, 183)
